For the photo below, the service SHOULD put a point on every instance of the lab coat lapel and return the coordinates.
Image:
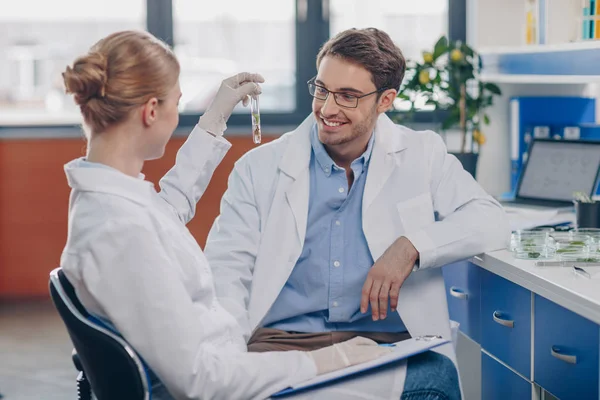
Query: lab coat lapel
(273, 270)
(295, 164)
(383, 161)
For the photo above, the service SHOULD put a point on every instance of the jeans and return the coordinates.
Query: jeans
(431, 376)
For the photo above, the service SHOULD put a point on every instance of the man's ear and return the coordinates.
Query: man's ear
(386, 100)
(150, 111)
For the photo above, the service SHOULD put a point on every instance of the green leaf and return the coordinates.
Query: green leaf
(493, 88)
(467, 50)
(486, 119)
(452, 120)
(440, 47)
(449, 123)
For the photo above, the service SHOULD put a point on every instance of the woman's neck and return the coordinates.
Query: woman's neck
(116, 149)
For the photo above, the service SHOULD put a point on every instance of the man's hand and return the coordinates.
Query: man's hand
(386, 276)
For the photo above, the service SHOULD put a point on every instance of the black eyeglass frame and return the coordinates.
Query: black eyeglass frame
(311, 82)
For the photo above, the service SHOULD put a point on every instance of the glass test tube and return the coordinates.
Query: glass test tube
(255, 119)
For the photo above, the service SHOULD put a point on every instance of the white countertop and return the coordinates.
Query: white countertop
(558, 284)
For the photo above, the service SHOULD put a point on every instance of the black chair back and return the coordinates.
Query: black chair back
(113, 368)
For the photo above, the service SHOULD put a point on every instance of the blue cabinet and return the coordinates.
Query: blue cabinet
(527, 342)
(500, 383)
(506, 322)
(463, 294)
(566, 352)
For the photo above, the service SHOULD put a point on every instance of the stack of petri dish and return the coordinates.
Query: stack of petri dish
(572, 242)
(594, 240)
(533, 244)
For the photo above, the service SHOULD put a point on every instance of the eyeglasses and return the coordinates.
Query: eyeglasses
(343, 99)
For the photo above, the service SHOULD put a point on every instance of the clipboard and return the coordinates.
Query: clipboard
(401, 351)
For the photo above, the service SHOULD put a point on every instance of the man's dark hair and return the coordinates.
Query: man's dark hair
(372, 49)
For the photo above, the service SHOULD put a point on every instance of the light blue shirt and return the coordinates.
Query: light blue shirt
(323, 291)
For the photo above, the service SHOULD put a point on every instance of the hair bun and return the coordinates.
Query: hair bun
(87, 78)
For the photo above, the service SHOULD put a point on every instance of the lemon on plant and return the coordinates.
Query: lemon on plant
(427, 57)
(456, 55)
(424, 77)
(479, 137)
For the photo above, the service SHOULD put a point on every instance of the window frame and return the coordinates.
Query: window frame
(312, 30)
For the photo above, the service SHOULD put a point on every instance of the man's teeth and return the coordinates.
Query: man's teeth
(330, 123)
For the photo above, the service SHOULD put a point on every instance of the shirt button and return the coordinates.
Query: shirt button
(338, 223)
(341, 190)
(326, 170)
(336, 263)
(335, 303)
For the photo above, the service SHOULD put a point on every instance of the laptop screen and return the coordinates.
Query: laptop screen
(557, 169)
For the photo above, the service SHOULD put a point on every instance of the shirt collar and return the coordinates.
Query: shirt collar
(81, 175)
(325, 161)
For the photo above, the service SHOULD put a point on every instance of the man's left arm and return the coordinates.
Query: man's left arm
(469, 222)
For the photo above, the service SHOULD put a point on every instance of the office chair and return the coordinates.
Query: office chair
(108, 366)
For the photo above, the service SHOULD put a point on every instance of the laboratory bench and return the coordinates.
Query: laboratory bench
(526, 332)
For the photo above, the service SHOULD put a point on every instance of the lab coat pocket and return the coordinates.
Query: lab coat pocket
(416, 212)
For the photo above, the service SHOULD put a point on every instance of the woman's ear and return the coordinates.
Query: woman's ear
(150, 111)
(386, 100)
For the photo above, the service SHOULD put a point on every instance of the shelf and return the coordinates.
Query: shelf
(570, 63)
(540, 79)
(543, 48)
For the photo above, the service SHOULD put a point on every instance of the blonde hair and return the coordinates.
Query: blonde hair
(119, 73)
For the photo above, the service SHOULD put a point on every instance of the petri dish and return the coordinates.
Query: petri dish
(579, 257)
(525, 251)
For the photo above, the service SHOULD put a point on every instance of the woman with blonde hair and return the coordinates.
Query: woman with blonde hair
(129, 255)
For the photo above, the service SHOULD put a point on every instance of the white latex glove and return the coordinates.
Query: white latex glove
(351, 352)
(233, 90)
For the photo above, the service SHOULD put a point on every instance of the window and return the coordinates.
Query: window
(217, 39)
(213, 40)
(412, 25)
(38, 39)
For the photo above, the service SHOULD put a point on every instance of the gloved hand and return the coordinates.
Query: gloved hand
(233, 90)
(351, 352)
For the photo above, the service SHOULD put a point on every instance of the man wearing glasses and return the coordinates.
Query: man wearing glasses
(338, 228)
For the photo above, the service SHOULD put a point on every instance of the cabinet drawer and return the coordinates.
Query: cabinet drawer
(506, 322)
(463, 294)
(500, 383)
(565, 352)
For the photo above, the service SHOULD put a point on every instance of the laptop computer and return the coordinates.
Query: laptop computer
(554, 171)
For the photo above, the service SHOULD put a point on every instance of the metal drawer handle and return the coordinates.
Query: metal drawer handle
(563, 357)
(458, 293)
(506, 322)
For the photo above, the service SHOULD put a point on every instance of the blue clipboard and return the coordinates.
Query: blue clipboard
(401, 350)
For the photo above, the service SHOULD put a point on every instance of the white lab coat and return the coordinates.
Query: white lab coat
(258, 237)
(132, 260)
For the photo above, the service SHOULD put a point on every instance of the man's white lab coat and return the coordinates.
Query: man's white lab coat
(258, 237)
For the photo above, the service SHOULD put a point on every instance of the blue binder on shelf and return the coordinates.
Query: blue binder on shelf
(545, 118)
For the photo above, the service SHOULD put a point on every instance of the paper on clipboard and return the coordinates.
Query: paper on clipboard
(401, 351)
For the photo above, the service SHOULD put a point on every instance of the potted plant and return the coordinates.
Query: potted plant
(448, 79)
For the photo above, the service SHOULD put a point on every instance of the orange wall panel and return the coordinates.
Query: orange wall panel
(34, 200)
